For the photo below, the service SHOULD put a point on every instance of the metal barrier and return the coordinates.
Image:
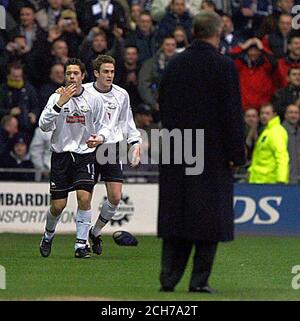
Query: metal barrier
(134, 176)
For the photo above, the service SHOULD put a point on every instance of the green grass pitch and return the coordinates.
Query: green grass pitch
(250, 268)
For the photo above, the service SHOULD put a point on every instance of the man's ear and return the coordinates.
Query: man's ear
(83, 76)
(96, 73)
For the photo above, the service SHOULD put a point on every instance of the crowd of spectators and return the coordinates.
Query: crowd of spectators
(143, 36)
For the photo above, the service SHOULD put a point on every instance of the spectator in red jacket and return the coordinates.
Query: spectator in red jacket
(255, 65)
(292, 59)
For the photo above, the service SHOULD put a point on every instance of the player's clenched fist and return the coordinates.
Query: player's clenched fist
(66, 93)
(94, 141)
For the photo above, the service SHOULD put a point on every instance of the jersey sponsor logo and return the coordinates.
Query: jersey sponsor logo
(75, 119)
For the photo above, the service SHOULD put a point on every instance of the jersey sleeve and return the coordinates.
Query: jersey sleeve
(128, 125)
(49, 114)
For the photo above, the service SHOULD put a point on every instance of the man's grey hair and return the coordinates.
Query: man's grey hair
(206, 24)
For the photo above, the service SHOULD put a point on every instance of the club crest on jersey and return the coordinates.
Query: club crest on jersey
(84, 109)
(111, 106)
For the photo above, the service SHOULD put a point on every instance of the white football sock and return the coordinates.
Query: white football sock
(51, 223)
(83, 223)
(108, 210)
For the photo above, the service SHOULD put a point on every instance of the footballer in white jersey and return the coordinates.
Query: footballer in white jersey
(77, 122)
(118, 110)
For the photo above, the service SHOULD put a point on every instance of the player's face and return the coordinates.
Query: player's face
(74, 75)
(105, 76)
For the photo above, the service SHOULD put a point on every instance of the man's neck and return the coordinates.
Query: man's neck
(130, 66)
(214, 41)
(79, 91)
(102, 88)
(294, 125)
(28, 28)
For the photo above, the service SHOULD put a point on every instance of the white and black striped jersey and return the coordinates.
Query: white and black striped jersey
(118, 110)
(74, 123)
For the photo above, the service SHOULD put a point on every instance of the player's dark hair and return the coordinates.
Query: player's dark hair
(103, 59)
(76, 62)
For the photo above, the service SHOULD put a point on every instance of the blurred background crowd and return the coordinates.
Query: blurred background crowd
(142, 35)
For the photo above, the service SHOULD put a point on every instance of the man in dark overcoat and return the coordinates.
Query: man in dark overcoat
(200, 90)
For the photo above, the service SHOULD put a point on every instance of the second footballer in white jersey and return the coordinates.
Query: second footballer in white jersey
(118, 110)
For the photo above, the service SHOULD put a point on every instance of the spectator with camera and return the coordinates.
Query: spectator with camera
(70, 31)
